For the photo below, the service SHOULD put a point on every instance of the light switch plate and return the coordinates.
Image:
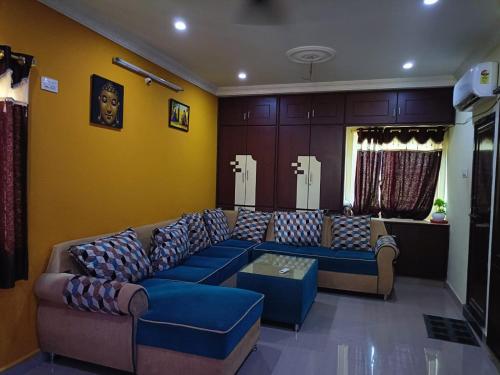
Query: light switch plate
(49, 84)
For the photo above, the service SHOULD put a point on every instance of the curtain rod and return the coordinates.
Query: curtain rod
(148, 75)
(21, 59)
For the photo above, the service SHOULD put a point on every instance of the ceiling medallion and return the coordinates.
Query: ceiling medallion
(311, 54)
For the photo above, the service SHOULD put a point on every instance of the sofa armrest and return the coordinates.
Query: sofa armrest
(120, 298)
(386, 254)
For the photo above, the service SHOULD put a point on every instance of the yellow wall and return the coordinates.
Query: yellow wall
(86, 180)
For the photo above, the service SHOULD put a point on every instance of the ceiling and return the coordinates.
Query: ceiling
(372, 38)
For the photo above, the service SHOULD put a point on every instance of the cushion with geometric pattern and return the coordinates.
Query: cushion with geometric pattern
(169, 245)
(251, 225)
(86, 293)
(197, 232)
(351, 232)
(217, 225)
(119, 257)
(301, 228)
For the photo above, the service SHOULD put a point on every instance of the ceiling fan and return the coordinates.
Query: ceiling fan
(262, 12)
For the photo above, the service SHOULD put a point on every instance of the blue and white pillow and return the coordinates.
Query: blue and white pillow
(169, 245)
(217, 225)
(119, 257)
(197, 232)
(351, 232)
(251, 225)
(298, 228)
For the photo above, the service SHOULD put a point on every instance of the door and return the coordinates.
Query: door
(261, 110)
(232, 111)
(232, 143)
(327, 146)
(293, 154)
(327, 109)
(479, 235)
(371, 108)
(295, 110)
(426, 106)
(261, 147)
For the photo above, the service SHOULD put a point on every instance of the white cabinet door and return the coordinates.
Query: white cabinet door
(314, 183)
(308, 172)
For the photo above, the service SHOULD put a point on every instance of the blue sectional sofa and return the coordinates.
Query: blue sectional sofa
(181, 318)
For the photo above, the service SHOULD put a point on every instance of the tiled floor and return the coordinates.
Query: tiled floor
(353, 335)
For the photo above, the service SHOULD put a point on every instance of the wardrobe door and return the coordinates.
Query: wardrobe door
(327, 147)
(261, 148)
(293, 167)
(371, 108)
(231, 164)
(327, 109)
(232, 111)
(432, 106)
(295, 110)
(261, 110)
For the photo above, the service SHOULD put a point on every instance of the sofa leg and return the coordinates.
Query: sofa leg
(51, 357)
(386, 297)
(254, 349)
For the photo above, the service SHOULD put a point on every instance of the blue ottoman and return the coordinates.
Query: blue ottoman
(288, 296)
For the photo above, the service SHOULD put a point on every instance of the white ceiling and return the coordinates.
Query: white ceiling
(372, 37)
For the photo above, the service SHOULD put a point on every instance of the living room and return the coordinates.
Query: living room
(290, 187)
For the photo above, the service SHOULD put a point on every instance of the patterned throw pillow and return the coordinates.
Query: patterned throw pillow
(119, 257)
(92, 294)
(217, 226)
(351, 232)
(298, 228)
(251, 225)
(197, 232)
(169, 245)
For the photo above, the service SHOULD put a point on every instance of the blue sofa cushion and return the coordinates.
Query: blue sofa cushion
(197, 232)
(199, 319)
(242, 244)
(169, 245)
(189, 273)
(118, 257)
(351, 232)
(217, 225)
(298, 228)
(222, 252)
(251, 225)
(345, 261)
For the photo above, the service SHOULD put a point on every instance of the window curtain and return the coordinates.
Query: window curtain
(366, 186)
(14, 77)
(408, 183)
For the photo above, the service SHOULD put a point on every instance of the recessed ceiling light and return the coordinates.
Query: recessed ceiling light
(242, 75)
(430, 2)
(180, 25)
(408, 65)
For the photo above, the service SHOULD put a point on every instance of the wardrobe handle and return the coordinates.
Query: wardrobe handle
(394, 112)
(399, 110)
(243, 177)
(244, 116)
(248, 115)
(308, 115)
(306, 179)
(246, 173)
(313, 113)
(310, 178)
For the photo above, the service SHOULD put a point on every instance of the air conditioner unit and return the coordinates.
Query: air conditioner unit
(478, 83)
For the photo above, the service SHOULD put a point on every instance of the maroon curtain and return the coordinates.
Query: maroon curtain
(408, 183)
(366, 186)
(13, 220)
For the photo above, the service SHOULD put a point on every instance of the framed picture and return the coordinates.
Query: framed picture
(106, 102)
(178, 115)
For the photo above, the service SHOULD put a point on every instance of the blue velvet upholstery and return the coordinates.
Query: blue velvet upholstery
(188, 273)
(232, 242)
(287, 300)
(345, 261)
(198, 319)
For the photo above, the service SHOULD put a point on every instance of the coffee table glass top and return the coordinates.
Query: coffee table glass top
(271, 264)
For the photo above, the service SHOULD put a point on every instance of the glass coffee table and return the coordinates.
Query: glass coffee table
(288, 295)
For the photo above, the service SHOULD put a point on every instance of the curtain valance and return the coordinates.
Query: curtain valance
(18, 63)
(403, 134)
